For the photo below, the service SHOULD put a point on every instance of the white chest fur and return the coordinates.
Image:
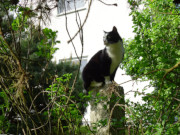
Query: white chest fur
(116, 53)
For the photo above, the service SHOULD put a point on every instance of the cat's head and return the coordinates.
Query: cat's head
(111, 37)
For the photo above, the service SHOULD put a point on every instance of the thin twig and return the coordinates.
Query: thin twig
(82, 23)
(115, 4)
(69, 32)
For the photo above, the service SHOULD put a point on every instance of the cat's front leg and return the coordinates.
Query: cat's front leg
(113, 75)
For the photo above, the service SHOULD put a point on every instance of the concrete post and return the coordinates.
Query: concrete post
(107, 110)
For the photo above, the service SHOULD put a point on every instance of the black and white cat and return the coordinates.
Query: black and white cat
(102, 66)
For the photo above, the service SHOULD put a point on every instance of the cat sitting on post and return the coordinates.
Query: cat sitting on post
(102, 67)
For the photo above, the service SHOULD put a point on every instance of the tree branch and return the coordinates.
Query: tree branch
(115, 4)
(82, 24)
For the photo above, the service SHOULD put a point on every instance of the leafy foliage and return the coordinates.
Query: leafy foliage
(65, 112)
(46, 46)
(154, 55)
(26, 74)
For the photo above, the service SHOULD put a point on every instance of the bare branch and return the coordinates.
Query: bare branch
(83, 22)
(115, 4)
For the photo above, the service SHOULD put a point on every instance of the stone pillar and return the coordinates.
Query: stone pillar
(107, 110)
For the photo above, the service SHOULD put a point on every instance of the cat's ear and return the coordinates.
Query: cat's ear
(114, 29)
(105, 32)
